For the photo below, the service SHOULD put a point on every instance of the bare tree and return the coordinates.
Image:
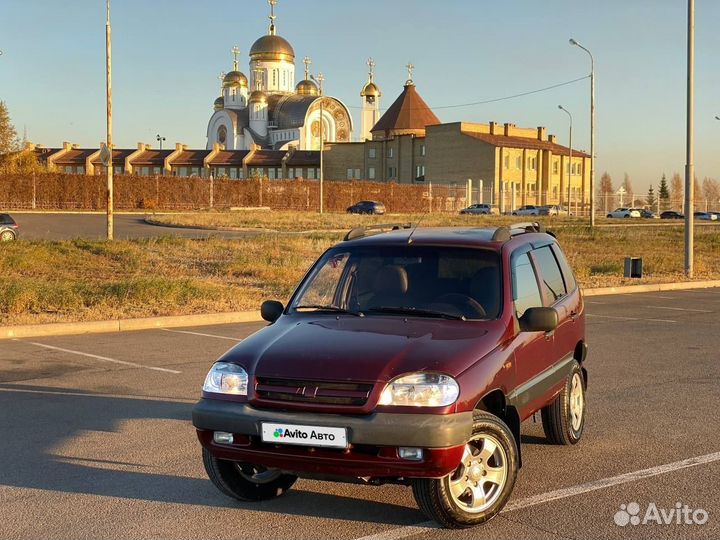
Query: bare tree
(8, 136)
(677, 191)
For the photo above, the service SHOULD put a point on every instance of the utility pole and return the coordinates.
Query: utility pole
(108, 64)
(689, 166)
(319, 80)
(592, 130)
(569, 164)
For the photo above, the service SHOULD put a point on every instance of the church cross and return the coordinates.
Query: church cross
(272, 16)
(371, 67)
(410, 67)
(307, 63)
(235, 52)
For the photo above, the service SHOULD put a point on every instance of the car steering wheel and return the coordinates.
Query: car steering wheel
(467, 305)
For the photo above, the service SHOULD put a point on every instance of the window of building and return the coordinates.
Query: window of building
(392, 172)
(119, 170)
(390, 152)
(422, 150)
(553, 286)
(349, 174)
(555, 192)
(555, 167)
(526, 292)
(518, 162)
(271, 173)
(357, 173)
(507, 162)
(419, 171)
(182, 171)
(371, 153)
(311, 173)
(371, 173)
(291, 173)
(298, 172)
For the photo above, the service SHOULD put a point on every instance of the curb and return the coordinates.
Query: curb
(257, 230)
(653, 287)
(125, 325)
(208, 319)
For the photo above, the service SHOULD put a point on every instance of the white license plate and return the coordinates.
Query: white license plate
(329, 437)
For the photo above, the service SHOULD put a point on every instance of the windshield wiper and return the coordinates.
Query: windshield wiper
(328, 307)
(416, 312)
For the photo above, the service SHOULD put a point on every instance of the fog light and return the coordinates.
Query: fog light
(221, 437)
(411, 454)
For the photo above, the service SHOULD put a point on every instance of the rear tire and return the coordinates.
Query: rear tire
(481, 485)
(7, 236)
(564, 419)
(246, 482)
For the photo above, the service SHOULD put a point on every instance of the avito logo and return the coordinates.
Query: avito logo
(279, 433)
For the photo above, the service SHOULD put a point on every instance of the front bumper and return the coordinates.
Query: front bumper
(373, 440)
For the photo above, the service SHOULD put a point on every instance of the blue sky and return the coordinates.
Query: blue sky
(168, 53)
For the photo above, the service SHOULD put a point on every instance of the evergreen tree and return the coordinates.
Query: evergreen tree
(650, 200)
(8, 135)
(664, 194)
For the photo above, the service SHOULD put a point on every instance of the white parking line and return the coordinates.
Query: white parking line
(681, 309)
(617, 318)
(200, 334)
(96, 357)
(428, 526)
(61, 392)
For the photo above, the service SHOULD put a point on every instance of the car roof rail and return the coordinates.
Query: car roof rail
(361, 232)
(506, 232)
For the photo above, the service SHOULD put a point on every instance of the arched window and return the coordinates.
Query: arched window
(222, 134)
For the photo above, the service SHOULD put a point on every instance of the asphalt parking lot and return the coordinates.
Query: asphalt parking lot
(97, 443)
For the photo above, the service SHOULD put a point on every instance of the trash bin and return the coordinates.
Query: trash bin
(633, 267)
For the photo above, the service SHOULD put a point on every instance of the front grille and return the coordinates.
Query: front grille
(301, 391)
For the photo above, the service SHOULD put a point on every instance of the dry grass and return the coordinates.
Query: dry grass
(84, 280)
(332, 221)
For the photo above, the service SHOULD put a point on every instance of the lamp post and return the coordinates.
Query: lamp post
(108, 143)
(592, 131)
(689, 166)
(160, 139)
(319, 80)
(570, 163)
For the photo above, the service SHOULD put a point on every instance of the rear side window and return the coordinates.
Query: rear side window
(553, 285)
(526, 293)
(570, 283)
(5, 219)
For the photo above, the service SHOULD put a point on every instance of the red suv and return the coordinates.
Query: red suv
(409, 356)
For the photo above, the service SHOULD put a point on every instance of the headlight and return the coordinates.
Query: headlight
(421, 390)
(225, 378)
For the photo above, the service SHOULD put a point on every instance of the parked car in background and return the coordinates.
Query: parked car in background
(549, 210)
(405, 362)
(481, 208)
(367, 207)
(624, 213)
(705, 216)
(527, 210)
(671, 214)
(716, 214)
(8, 228)
(646, 214)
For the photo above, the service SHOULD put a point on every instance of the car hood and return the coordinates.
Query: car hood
(368, 349)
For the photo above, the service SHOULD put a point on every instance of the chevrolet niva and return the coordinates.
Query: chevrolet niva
(406, 356)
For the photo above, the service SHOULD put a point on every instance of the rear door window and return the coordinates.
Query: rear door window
(553, 285)
(526, 292)
(570, 283)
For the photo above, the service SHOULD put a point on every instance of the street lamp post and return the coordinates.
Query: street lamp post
(570, 163)
(592, 131)
(108, 92)
(160, 139)
(689, 166)
(319, 80)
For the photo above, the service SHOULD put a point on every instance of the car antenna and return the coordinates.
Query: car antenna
(409, 240)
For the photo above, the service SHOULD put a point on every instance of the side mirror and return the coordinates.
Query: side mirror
(539, 319)
(270, 310)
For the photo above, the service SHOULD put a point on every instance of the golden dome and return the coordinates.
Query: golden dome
(307, 88)
(258, 96)
(219, 103)
(272, 47)
(371, 89)
(235, 78)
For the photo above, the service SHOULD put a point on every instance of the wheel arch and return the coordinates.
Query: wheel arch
(495, 403)
(580, 354)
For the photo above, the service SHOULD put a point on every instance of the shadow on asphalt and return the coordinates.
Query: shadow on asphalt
(37, 420)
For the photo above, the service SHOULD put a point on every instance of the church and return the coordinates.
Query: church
(268, 110)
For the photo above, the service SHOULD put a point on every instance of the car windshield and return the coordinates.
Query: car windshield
(432, 282)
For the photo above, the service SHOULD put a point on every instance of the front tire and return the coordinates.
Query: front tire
(564, 419)
(481, 485)
(244, 481)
